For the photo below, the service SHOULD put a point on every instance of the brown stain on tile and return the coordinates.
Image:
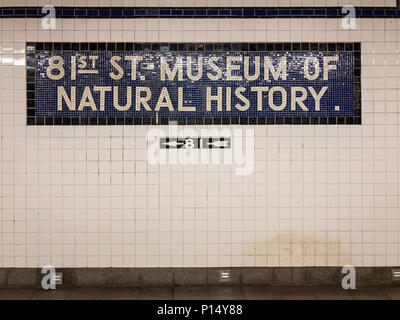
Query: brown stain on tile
(287, 241)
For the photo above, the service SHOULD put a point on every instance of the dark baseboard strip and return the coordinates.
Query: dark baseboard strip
(145, 277)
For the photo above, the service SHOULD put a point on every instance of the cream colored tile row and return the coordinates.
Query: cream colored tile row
(380, 37)
(202, 3)
(317, 25)
(198, 30)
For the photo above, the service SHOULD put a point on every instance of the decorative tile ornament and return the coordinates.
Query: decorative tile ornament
(193, 83)
(195, 143)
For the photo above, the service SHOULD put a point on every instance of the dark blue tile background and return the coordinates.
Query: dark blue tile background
(340, 85)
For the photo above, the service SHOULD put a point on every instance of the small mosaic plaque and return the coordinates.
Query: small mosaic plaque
(195, 143)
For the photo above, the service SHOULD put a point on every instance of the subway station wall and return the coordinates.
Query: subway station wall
(86, 196)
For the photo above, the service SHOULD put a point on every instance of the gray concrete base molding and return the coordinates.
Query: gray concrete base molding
(147, 277)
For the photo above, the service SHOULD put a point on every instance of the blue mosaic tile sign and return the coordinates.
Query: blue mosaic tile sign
(148, 84)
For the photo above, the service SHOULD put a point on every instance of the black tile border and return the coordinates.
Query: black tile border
(155, 277)
(31, 48)
(200, 12)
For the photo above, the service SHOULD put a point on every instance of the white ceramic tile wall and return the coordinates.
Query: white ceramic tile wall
(86, 197)
(200, 3)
